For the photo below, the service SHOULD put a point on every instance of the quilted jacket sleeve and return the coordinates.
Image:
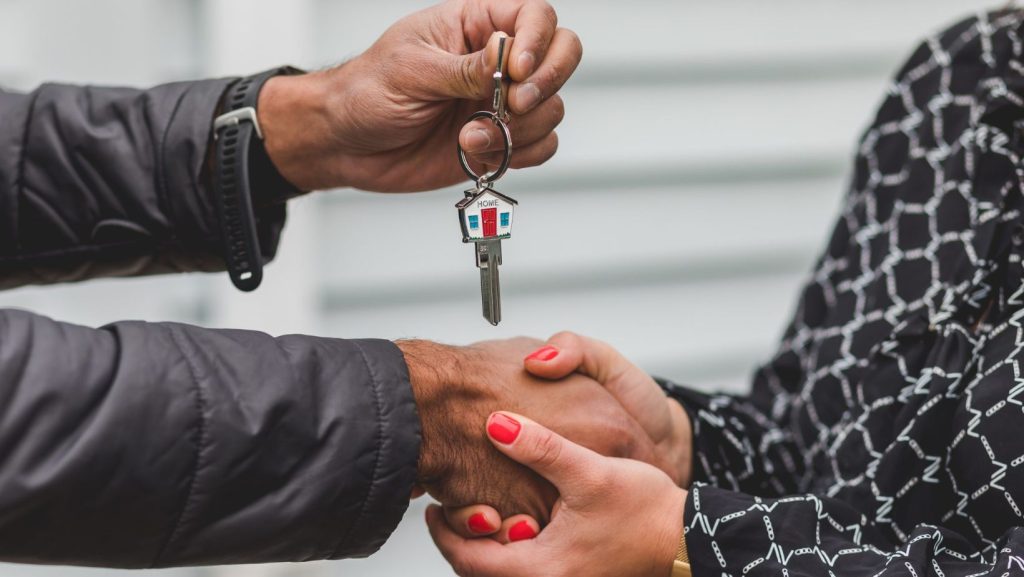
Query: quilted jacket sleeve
(153, 445)
(110, 182)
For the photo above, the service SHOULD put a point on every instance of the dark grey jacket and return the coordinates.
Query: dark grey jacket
(160, 444)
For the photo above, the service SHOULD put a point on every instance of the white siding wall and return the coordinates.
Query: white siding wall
(707, 142)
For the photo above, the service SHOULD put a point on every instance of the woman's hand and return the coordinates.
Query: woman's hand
(388, 120)
(614, 518)
(664, 419)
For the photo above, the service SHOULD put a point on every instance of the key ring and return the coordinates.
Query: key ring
(488, 178)
(500, 119)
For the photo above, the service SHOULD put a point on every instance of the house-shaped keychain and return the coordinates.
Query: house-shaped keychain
(486, 215)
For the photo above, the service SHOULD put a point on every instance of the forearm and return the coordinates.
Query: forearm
(110, 182)
(142, 445)
(299, 117)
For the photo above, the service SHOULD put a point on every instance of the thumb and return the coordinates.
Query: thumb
(568, 352)
(564, 463)
(632, 387)
(470, 76)
(562, 355)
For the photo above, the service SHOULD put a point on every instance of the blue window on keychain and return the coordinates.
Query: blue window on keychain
(504, 219)
(474, 222)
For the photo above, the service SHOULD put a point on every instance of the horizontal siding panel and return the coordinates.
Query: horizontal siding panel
(672, 329)
(729, 30)
(399, 244)
(721, 31)
(616, 127)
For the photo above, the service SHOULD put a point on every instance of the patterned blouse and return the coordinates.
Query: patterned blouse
(886, 435)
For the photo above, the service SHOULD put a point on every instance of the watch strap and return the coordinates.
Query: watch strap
(244, 177)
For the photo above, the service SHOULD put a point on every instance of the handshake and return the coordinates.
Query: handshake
(574, 439)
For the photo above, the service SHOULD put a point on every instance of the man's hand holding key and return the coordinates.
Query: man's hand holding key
(388, 120)
(479, 211)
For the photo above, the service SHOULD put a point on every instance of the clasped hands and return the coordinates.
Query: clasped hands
(576, 442)
(572, 457)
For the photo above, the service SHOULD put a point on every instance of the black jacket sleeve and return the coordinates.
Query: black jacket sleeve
(111, 182)
(152, 445)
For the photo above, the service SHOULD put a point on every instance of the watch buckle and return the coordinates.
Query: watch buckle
(234, 118)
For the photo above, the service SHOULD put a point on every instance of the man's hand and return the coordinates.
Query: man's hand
(456, 388)
(388, 120)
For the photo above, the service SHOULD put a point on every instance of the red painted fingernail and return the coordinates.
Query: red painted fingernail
(479, 525)
(521, 531)
(503, 428)
(543, 354)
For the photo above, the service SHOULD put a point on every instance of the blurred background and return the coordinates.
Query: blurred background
(703, 158)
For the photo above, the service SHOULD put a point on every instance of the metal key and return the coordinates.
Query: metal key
(488, 259)
(485, 214)
(486, 218)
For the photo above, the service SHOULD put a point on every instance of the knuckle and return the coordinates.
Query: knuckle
(555, 76)
(553, 80)
(549, 13)
(557, 109)
(575, 44)
(567, 340)
(524, 341)
(461, 73)
(622, 436)
(545, 152)
(565, 336)
(547, 451)
(552, 147)
(466, 74)
(463, 566)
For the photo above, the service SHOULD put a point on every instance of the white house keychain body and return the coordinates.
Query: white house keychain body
(486, 215)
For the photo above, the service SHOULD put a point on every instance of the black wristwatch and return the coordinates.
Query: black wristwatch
(245, 178)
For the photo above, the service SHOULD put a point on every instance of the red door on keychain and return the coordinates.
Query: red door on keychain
(490, 218)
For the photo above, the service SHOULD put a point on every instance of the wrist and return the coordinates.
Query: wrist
(433, 368)
(293, 113)
(682, 442)
(674, 541)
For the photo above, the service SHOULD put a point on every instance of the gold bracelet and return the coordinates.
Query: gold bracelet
(681, 554)
(681, 565)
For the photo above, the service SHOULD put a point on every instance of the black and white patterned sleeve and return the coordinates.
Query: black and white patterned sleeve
(730, 533)
(741, 444)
